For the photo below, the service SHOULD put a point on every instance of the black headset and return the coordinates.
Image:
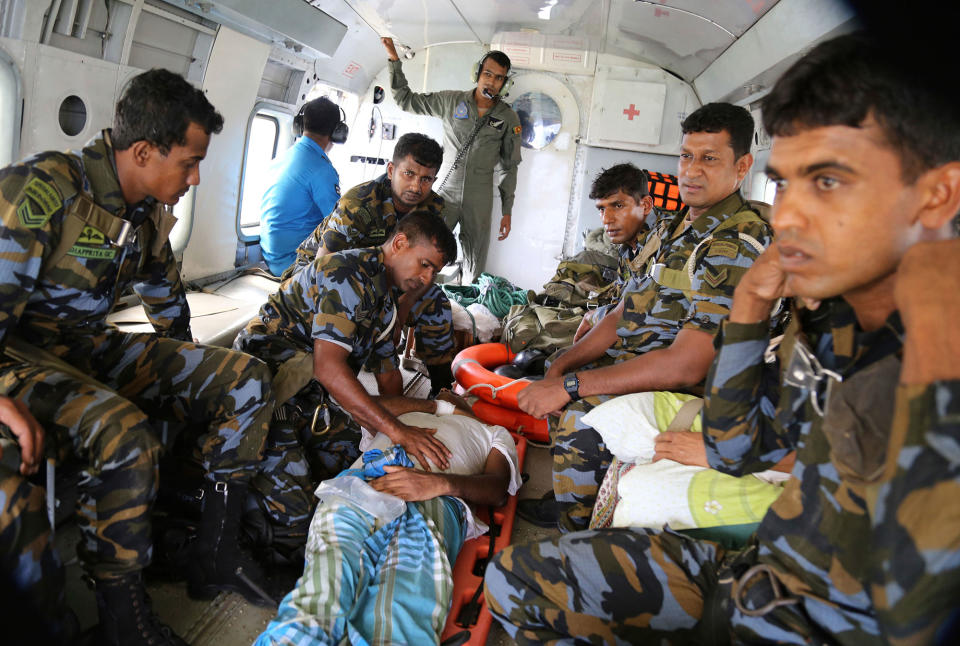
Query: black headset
(507, 84)
(340, 131)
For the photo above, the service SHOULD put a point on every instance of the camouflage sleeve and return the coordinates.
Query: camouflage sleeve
(343, 229)
(343, 296)
(31, 214)
(916, 542)
(431, 103)
(432, 318)
(163, 295)
(741, 394)
(509, 160)
(718, 270)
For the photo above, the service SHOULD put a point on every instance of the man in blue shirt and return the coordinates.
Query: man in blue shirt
(304, 186)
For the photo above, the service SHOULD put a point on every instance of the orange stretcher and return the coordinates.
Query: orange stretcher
(468, 610)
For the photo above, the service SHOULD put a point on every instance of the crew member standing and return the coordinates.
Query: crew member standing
(468, 190)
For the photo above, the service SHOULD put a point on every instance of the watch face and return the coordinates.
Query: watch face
(572, 385)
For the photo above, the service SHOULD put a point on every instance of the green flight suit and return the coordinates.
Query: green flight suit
(468, 193)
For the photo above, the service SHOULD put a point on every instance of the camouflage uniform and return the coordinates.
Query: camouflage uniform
(468, 191)
(894, 490)
(365, 217)
(655, 310)
(343, 298)
(26, 554)
(65, 258)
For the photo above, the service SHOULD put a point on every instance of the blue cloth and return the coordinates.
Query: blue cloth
(365, 585)
(302, 190)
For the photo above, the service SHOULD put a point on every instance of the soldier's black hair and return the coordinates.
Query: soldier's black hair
(846, 80)
(426, 226)
(158, 106)
(497, 57)
(424, 150)
(320, 116)
(723, 117)
(622, 177)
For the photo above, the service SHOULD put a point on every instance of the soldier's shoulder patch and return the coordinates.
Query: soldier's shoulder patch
(725, 248)
(517, 130)
(714, 278)
(40, 201)
(460, 112)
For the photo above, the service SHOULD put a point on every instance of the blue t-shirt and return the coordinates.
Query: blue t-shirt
(302, 190)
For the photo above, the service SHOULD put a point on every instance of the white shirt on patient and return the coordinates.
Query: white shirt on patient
(470, 442)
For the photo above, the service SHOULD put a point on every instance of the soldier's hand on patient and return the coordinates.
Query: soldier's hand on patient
(421, 444)
(685, 447)
(927, 294)
(541, 398)
(410, 484)
(26, 430)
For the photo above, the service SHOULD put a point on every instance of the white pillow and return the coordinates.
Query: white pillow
(628, 424)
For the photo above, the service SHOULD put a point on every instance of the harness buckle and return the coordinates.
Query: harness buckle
(326, 420)
(805, 371)
(125, 230)
(656, 271)
(740, 586)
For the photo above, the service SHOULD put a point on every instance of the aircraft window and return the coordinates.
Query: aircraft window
(540, 119)
(261, 149)
(73, 115)
(9, 110)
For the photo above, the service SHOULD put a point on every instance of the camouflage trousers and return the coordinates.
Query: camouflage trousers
(645, 586)
(432, 319)
(580, 461)
(222, 396)
(299, 455)
(27, 556)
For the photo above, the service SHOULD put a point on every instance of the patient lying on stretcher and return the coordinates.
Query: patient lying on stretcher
(373, 578)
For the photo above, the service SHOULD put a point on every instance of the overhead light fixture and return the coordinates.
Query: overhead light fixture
(544, 13)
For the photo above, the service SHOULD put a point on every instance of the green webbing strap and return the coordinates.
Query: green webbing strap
(295, 373)
(682, 278)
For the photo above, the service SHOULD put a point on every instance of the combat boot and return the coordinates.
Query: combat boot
(126, 618)
(219, 561)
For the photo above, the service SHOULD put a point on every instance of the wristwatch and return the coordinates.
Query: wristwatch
(571, 383)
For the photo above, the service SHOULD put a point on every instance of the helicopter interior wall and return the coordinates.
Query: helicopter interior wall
(231, 87)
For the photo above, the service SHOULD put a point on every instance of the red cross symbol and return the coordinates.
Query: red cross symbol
(631, 112)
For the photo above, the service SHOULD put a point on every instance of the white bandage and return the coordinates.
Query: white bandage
(444, 407)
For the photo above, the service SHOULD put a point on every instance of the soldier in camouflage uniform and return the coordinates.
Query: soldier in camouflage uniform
(323, 325)
(27, 555)
(627, 214)
(78, 229)
(660, 335)
(863, 546)
(468, 191)
(366, 216)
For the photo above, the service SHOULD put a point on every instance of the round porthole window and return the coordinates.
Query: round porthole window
(73, 115)
(540, 119)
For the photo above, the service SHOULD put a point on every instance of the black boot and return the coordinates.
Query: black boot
(220, 563)
(126, 617)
